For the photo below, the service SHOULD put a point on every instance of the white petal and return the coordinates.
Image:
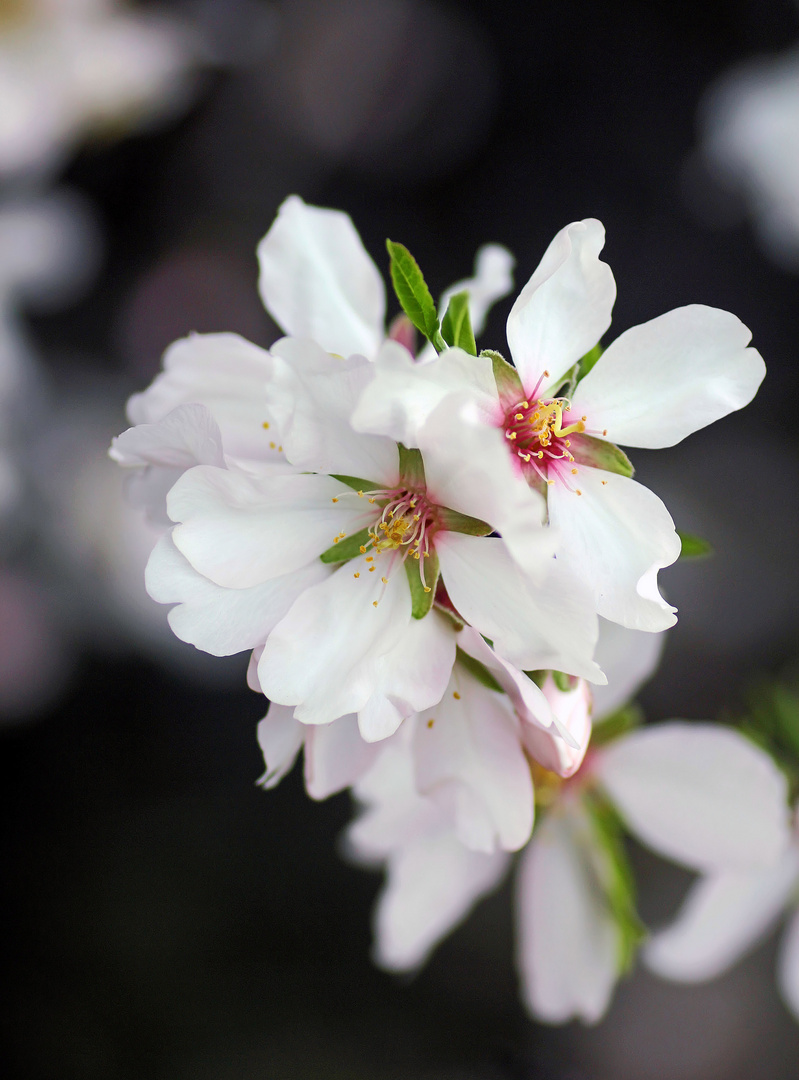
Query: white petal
(335, 756)
(432, 886)
(469, 468)
(280, 738)
(662, 380)
(228, 375)
(411, 676)
(723, 916)
(240, 529)
(395, 815)
(535, 628)
(402, 393)
(617, 534)
(318, 281)
(564, 309)
(324, 655)
(700, 794)
(218, 620)
(629, 658)
(527, 697)
(493, 279)
(312, 396)
(187, 436)
(470, 761)
(566, 938)
(788, 967)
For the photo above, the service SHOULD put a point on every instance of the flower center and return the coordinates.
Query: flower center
(539, 433)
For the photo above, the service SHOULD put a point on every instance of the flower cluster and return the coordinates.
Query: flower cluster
(439, 559)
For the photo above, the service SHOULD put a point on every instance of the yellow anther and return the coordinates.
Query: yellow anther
(546, 374)
(550, 482)
(567, 443)
(456, 695)
(512, 435)
(356, 575)
(574, 472)
(370, 558)
(416, 554)
(266, 425)
(604, 482)
(430, 722)
(540, 454)
(519, 416)
(280, 449)
(416, 517)
(360, 494)
(578, 492)
(372, 569)
(362, 550)
(374, 603)
(525, 404)
(427, 588)
(605, 431)
(384, 580)
(335, 498)
(372, 500)
(271, 446)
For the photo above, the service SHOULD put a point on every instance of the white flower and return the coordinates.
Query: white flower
(750, 138)
(727, 913)
(318, 281)
(73, 68)
(654, 385)
(697, 793)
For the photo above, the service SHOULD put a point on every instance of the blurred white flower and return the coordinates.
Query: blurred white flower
(529, 429)
(70, 69)
(725, 915)
(700, 794)
(749, 138)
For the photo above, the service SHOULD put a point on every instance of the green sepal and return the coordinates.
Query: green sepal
(453, 521)
(618, 723)
(413, 293)
(422, 601)
(587, 362)
(538, 677)
(347, 548)
(615, 879)
(480, 671)
(600, 455)
(568, 383)
(411, 467)
(456, 326)
(456, 622)
(693, 547)
(357, 483)
(507, 378)
(565, 683)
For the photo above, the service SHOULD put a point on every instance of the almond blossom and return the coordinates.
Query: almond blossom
(700, 794)
(728, 912)
(555, 421)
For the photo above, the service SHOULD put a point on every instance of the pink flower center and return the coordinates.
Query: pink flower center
(539, 434)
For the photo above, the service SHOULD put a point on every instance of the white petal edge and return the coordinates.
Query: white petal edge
(280, 738)
(629, 658)
(187, 436)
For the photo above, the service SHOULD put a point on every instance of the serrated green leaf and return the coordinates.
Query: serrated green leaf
(357, 483)
(456, 326)
(693, 547)
(413, 293)
(347, 548)
(421, 599)
(600, 455)
(507, 378)
(617, 724)
(452, 521)
(411, 467)
(615, 878)
(587, 362)
(480, 671)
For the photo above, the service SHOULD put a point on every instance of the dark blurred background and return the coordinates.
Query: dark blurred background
(166, 918)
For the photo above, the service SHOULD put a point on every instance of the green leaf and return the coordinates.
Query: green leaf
(421, 599)
(347, 548)
(452, 521)
(600, 455)
(357, 483)
(411, 467)
(507, 378)
(413, 293)
(617, 724)
(456, 326)
(693, 547)
(588, 361)
(615, 878)
(480, 671)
